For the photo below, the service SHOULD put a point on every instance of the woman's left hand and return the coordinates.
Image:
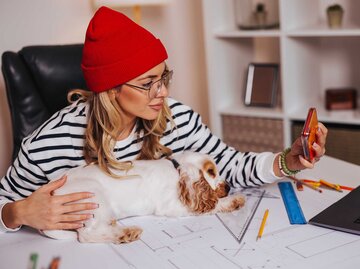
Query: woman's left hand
(296, 161)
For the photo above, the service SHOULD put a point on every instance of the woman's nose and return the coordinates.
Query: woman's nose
(164, 92)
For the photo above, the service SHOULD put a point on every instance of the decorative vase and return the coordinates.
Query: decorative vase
(335, 15)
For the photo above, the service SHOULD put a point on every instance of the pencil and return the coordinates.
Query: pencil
(306, 184)
(55, 263)
(315, 184)
(331, 185)
(261, 230)
(346, 188)
(341, 186)
(33, 261)
(312, 186)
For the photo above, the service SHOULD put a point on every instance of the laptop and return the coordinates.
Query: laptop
(343, 215)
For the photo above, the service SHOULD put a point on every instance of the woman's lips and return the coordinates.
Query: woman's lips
(156, 107)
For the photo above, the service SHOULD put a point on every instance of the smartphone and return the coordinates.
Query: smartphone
(308, 134)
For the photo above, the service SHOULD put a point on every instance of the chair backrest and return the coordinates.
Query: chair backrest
(37, 80)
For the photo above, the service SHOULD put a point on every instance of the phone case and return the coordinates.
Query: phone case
(308, 134)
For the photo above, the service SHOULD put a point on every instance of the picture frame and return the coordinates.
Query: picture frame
(262, 84)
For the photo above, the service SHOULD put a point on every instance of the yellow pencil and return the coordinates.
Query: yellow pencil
(331, 185)
(261, 230)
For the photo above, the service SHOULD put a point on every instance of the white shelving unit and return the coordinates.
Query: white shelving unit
(312, 58)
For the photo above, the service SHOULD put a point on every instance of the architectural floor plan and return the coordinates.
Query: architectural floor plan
(211, 241)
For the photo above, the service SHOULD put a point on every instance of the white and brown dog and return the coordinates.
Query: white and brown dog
(156, 187)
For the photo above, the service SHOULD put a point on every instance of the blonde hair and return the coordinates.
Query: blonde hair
(105, 124)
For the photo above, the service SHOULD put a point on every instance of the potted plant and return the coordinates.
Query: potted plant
(334, 15)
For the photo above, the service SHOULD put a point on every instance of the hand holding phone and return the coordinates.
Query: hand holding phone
(308, 134)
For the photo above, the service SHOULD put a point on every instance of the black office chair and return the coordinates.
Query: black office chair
(37, 80)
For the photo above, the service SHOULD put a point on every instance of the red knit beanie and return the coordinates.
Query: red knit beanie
(116, 50)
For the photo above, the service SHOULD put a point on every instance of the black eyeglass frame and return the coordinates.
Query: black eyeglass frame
(163, 77)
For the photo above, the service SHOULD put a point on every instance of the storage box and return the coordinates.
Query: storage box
(253, 134)
(341, 98)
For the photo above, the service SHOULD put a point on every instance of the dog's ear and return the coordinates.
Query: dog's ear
(210, 168)
(184, 192)
(203, 198)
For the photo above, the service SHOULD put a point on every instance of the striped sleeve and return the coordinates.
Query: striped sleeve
(45, 154)
(21, 179)
(246, 169)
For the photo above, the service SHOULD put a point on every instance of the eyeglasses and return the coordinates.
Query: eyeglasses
(155, 87)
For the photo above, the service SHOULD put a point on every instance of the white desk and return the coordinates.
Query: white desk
(204, 242)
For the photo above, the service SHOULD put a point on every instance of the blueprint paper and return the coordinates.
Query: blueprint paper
(203, 241)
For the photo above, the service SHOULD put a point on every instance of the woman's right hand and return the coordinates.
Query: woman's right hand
(45, 211)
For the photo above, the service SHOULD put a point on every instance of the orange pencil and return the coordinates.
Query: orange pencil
(331, 185)
(341, 186)
(55, 263)
(346, 188)
(315, 184)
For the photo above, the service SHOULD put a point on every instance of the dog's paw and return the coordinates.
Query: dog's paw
(237, 202)
(129, 234)
(232, 203)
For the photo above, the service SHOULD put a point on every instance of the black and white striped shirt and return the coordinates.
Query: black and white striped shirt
(57, 146)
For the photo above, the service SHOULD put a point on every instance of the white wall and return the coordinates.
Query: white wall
(178, 25)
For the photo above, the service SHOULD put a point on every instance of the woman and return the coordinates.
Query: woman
(126, 116)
